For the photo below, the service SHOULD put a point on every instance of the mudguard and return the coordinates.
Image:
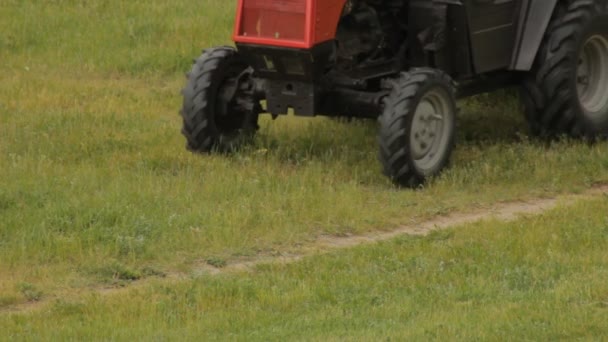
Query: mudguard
(535, 17)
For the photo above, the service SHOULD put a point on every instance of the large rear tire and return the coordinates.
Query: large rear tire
(567, 91)
(417, 127)
(219, 110)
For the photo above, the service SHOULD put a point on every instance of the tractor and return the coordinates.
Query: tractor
(404, 63)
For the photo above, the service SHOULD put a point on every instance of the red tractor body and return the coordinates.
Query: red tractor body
(287, 23)
(402, 62)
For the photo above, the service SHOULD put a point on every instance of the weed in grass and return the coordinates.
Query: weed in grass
(151, 271)
(116, 273)
(30, 292)
(217, 262)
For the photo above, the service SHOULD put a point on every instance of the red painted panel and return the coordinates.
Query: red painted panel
(287, 23)
(274, 19)
(327, 17)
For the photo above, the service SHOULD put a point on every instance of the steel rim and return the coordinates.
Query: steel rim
(592, 76)
(430, 131)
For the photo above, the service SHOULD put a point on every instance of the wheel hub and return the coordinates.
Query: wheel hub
(425, 127)
(428, 133)
(592, 76)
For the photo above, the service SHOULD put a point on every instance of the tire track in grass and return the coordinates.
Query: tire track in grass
(508, 211)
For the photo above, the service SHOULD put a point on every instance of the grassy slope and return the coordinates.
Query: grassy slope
(96, 188)
(537, 279)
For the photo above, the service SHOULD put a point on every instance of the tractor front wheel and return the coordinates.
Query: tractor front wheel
(417, 127)
(220, 110)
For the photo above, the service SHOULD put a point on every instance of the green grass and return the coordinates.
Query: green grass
(108, 36)
(536, 279)
(96, 174)
(97, 190)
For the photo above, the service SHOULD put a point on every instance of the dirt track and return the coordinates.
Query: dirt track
(503, 212)
(325, 244)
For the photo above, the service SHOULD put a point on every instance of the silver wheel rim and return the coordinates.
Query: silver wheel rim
(431, 129)
(592, 76)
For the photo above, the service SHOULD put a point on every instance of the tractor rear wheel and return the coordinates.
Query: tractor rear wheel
(417, 127)
(219, 110)
(567, 91)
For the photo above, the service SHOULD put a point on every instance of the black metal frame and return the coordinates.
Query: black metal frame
(482, 44)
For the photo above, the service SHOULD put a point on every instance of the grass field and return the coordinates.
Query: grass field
(537, 279)
(97, 191)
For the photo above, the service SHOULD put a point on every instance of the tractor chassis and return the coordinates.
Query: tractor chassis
(403, 62)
